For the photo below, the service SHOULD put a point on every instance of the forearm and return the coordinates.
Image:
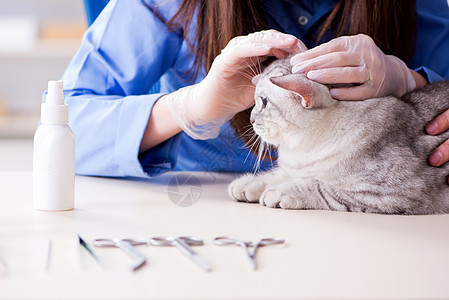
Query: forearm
(161, 125)
(419, 79)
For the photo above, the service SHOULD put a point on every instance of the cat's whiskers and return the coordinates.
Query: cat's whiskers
(263, 148)
(266, 148)
(246, 74)
(259, 65)
(260, 154)
(252, 67)
(249, 131)
(254, 144)
(251, 144)
(270, 150)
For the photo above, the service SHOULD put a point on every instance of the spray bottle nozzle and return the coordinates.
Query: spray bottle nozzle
(55, 95)
(54, 110)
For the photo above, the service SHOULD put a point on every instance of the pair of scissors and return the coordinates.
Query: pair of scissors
(230, 240)
(183, 243)
(126, 245)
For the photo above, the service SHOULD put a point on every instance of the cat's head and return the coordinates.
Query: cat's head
(286, 103)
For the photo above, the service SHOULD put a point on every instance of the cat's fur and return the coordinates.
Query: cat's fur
(362, 156)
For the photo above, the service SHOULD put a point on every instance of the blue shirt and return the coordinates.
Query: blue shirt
(128, 59)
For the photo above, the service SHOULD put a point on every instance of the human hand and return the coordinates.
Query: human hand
(355, 59)
(202, 109)
(438, 125)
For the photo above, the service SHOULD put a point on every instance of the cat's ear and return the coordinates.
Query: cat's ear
(297, 84)
(255, 79)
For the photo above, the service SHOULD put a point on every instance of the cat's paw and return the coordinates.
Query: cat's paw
(276, 197)
(247, 188)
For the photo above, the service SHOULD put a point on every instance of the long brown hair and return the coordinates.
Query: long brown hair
(391, 24)
(218, 21)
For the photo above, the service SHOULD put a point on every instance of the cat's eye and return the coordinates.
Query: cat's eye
(264, 101)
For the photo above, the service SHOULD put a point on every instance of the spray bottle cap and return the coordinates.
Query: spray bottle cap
(54, 111)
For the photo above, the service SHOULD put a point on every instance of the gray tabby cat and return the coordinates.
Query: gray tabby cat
(362, 156)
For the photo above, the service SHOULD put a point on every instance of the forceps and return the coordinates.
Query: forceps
(127, 245)
(229, 240)
(183, 243)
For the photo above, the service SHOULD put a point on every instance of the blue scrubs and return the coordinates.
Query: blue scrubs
(128, 59)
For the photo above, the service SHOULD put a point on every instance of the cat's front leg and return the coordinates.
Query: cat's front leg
(302, 194)
(249, 187)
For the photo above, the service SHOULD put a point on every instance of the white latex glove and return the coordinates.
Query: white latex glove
(201, 109)
(355, 59)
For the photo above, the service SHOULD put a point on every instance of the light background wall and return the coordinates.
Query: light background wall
(44, 9)
(25, 71)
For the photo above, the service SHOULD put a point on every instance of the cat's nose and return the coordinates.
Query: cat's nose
(251, 121)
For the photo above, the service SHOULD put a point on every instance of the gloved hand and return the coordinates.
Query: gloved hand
(355, 59)
(201, 109)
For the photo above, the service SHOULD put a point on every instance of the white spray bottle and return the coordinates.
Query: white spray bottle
(54, 154)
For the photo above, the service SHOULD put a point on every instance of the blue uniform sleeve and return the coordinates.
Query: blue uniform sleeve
(431, 57)
(107, 86)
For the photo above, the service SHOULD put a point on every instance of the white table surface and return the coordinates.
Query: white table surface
(328, 255)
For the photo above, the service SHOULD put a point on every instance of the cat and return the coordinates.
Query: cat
(360, 156)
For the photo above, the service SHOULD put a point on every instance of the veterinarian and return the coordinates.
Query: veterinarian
(154, 83)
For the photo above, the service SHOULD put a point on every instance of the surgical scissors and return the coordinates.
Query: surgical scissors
(127, 245)
(230, 240)
(183, 243)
